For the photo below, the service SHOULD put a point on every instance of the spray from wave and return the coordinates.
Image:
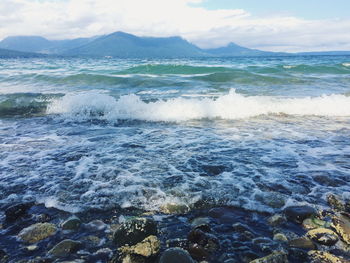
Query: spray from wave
(229, 106)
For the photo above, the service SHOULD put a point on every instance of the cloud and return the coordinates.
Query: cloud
(58, 19)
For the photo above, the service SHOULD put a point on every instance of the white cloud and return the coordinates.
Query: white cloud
(58, 19)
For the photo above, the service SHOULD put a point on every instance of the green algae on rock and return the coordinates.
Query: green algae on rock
(37, 232)
(150, 246)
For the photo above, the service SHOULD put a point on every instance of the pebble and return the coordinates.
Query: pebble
(302, 242)
(65, 248)
(37, 232)
(297, 214)
(73, 224)
(280, 237)
(17, 211)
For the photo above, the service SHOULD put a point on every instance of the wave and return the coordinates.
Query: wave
(25, 104)
(229, 106)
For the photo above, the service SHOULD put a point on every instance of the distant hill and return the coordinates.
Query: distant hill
(234, 50)
(6, 53)
(123, 45)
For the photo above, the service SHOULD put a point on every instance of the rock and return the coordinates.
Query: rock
(275, 257)
(133, 259)
(240, 228)
(148, 247)
(303, 242)
(324, 257)
(17, 211)
(323, 236)
(313, 222)
(73, 223)
(335, 202)
(32, 247)
(341, 224)
(134, 231)
(37, 232)
(96, 225)
(172, 208)
(280, 237)
(276, 220)
(202, 244)
(297, 214)
(65, 248)
(177, 242)
(297, 255)
(202, 223)
(176, 255)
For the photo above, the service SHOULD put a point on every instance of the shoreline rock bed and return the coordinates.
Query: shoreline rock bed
(33, 233)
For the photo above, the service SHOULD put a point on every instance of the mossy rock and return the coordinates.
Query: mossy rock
(37, 232)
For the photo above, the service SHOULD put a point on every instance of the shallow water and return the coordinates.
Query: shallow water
(258, 133)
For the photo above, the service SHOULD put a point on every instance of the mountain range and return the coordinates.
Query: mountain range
(124, 45)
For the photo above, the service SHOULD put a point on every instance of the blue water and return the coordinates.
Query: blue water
(258, 133)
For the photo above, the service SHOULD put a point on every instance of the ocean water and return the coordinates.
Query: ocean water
(257, 133)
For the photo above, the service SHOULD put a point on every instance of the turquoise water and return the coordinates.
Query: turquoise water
(258, 133)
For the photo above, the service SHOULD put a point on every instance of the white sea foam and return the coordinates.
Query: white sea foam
(346, 64)
(230, 106)
(289, 66)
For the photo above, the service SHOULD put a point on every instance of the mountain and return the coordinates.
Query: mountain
(234, 50)
(6, 53)
(123, 45)
(42, 45)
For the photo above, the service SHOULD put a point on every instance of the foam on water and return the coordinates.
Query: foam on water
(230, 106)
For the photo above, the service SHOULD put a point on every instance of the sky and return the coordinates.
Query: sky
(274, 25)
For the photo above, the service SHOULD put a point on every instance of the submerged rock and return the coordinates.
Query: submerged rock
(313, 222)
(3, 256)
(65, 248)
(341, 224)
(275, 257)
(202, 223)
(202, 244)
(150, 246)
(37, 232)
(133, 259)
(73, 223)
(323, 236)
(325, 257)
(276, 220)
(17, 211)
(176, 255)
(303, 242)
(280, 237)
(297, 214)
(335, 202)
(134, 231)
(173, 208)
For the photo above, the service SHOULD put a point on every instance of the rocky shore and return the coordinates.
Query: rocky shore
(30, 232)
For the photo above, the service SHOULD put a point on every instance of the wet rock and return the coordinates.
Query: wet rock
(280, 237)
(202, 244)
(73, 223)
(341, 224)
(17, 211)
(177, 242)
(65, 248)
(240, 228)
(325, 257)
(335, 202)
(148, 247)
(133, 259)
(261, 240)
(297, 255)
(202, 223)
(134, 231)
(313, 222)
(323, 236)
(275, 257)
(172, 208)
(32, 247)
(276, 220)
(175, 255)
(297, 214)
(37, 232)
(303, 242)
(42, 218)
(96, 225)
(91, 241)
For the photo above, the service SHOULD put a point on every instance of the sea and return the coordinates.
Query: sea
(257, 133)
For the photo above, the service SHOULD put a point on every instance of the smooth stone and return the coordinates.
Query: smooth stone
(325, 257)
(17, 211)
(37, 232)
(297, 214)
(323, 236)
(176, 255)
(276, 220)
(209, 242)
(302, 242)
(172, 208)
(96, 225)
(313, 222)
(32, 248)
(73, 223)
(65, 248)
(150, 246)
(341, 224)
(198, 252)
(134, 231)
(280, 237)
(202, 223)
(335, 202)
(275, 257)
